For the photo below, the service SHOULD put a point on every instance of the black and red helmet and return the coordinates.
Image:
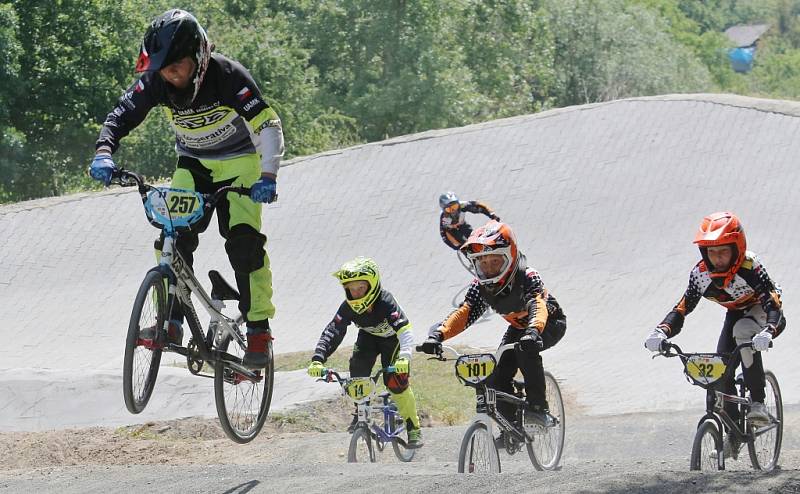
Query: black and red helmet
(172, 36)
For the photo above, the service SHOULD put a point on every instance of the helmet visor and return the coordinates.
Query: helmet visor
(490, 266)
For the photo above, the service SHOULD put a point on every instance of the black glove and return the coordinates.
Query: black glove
(494, 217)
(531, 340)
(433, 345)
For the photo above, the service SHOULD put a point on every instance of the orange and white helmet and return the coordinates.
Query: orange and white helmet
(722, 228)
(493, 238)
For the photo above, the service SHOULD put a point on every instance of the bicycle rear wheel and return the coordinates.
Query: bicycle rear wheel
(707, 448)
(765, 448)
(478, 452)
(242, 402)
(141, 361)
(548, 442)
(361, 449)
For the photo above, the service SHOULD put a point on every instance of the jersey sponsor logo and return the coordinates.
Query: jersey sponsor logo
(195, 111)
(253, 102)
(244, 94)
(268, 123)
(139, 86)
(203, 120)
(381, 329)
(208, 140)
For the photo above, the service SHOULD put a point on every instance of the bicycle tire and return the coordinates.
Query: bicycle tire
(765, 448)
(140, 364)
(478, 444)
(402, 453)
(236, 397)
(361, 438)
(548, 443)
(706, 437)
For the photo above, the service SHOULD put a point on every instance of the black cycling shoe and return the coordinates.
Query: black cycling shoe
(536, 415)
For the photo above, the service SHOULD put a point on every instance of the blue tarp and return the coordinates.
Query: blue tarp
(742, 58)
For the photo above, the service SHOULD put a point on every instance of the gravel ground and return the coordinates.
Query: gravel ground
(622, 453)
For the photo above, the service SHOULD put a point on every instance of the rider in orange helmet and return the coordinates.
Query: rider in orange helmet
(734, 278)
(517, 293)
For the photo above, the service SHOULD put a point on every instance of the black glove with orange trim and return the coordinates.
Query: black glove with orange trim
(433, 345)
(531, 340)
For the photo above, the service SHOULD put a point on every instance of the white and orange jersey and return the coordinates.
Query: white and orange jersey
(750, 286)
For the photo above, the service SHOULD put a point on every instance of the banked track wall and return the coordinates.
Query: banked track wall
(604, 199)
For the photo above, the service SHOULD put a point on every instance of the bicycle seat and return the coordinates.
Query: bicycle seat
(220, 289)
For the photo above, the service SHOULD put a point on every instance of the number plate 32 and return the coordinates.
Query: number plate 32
(475, 368)
(705, 369)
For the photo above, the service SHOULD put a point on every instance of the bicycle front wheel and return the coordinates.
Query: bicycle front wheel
(361, 448)
(478, 452)
(548, 442)
(765, 448)
(402, 453)
(142, 358)
(707, 448)
(242, 402)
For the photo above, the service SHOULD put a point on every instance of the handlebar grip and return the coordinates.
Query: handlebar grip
(418, 348)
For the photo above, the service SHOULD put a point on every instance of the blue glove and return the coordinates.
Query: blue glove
(102, 168)
(263, 190)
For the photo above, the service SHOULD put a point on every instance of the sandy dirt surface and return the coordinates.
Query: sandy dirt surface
(622, 453)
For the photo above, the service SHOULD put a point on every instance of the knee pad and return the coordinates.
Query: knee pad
(396, 383)
(245, 248)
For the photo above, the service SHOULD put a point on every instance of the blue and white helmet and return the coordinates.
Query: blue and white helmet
(447, 199)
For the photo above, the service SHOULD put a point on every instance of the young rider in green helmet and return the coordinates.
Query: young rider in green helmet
(384, 330)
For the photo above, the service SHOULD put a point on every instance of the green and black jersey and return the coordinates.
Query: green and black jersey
(228, 117)
(385, 319)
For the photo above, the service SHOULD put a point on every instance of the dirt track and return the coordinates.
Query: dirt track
(625, 453)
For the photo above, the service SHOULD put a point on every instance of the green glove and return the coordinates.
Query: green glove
(401, 365)
(315, 369)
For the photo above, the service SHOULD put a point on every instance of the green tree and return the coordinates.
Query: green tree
(609, 49)
(509, 50)
(394, 65)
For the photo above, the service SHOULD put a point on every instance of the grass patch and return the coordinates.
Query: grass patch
(441, 398)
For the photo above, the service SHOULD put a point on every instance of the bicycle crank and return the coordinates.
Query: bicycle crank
(194, 364)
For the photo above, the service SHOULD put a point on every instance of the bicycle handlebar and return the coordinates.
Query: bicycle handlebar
(126, 178)
(330, 373)
(668, 345)
(439, 355)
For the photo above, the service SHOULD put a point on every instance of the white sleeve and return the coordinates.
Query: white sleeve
(271, 148)
(406, 343)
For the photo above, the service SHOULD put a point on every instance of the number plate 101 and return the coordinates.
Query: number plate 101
(475, 368)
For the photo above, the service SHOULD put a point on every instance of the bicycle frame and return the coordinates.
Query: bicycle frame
(386, 433)
(715, 410)
(181, 283)
(486, 400)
